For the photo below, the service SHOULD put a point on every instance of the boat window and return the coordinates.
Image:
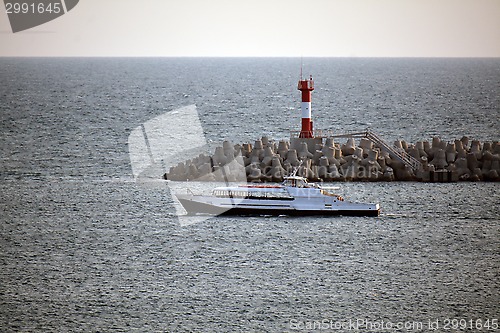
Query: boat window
(230, 194)
(251, 194)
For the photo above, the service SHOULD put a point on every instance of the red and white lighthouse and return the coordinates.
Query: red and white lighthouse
(306, 86)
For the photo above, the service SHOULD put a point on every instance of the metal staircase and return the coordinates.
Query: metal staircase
(395, 153)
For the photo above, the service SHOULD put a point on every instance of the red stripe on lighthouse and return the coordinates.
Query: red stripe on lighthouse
(306, 96)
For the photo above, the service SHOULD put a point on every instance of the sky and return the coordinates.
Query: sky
(264, 28)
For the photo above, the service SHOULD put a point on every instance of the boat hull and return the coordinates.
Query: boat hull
(194, 207)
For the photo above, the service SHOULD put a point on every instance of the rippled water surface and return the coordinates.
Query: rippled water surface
(85, 248)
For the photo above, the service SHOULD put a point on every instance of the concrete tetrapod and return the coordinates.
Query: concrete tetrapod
(269, 160)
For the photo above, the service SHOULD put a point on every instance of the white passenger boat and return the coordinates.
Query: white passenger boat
(295, 196)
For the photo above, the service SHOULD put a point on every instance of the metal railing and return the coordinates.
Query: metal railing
(316, 133)
(394, 152)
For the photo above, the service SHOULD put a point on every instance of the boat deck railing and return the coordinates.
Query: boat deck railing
(316, 133)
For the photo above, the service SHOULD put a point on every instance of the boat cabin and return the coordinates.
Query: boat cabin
(295, 181)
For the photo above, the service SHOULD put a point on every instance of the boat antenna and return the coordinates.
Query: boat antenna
(296, 169)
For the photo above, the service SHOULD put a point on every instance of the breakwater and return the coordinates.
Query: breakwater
(350, 157)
